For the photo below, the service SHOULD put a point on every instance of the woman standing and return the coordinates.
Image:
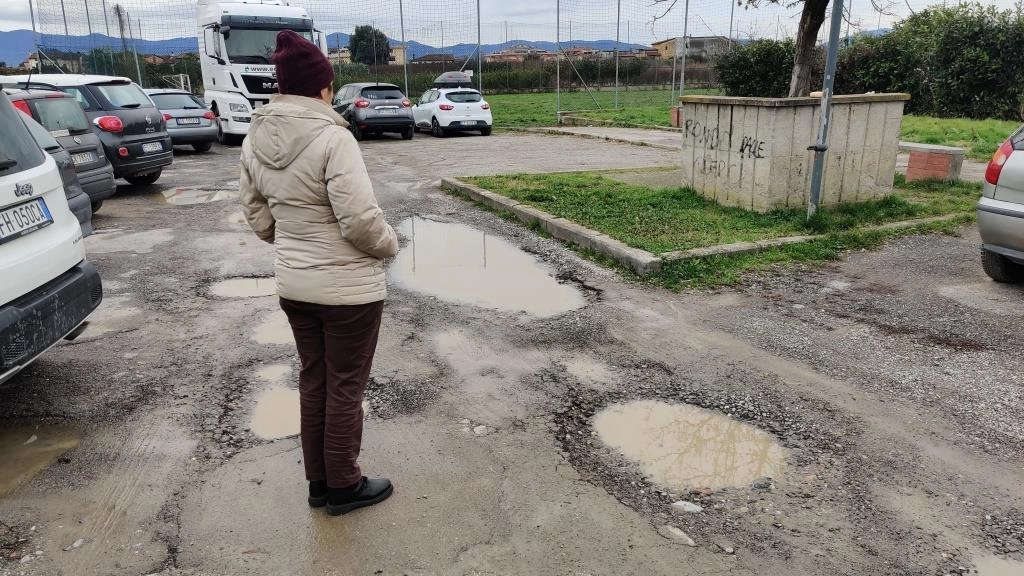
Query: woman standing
(304, 188)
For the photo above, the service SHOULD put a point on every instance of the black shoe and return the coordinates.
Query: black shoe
(317, 493)
(367, 492)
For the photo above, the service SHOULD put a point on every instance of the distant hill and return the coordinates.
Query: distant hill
(16, 45)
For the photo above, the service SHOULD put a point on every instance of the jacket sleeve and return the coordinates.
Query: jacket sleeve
(254, 206)
(351, 196)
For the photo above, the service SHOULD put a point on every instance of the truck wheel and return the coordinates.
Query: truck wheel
(1000, 268)
(144, 179)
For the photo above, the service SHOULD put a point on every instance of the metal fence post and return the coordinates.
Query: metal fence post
(405, 61)
(558, 59)
(479, 51)
(821, 146)
(618, 27)
(686, 47)
(135, 50)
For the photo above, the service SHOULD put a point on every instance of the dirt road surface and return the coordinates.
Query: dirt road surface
(162, 440)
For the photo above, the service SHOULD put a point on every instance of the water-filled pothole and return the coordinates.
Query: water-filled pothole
(244, 288)
(995, 566)
(276, 414)
(683, 447)
(25, 451)
(461, 264)
(189, 196)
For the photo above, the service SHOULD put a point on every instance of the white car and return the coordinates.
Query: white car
(444, 110)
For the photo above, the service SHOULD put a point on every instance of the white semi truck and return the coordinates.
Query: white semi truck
(236, 41)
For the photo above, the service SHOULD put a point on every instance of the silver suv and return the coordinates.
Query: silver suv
(375, 108)
(1001, 212)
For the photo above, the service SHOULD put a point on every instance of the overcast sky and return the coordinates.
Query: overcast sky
(444, 22)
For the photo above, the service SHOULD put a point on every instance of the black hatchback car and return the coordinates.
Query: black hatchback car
(375, 108)
(60, 114)
(132, 130)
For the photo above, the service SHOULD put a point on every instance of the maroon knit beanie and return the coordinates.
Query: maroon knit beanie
(302, 69)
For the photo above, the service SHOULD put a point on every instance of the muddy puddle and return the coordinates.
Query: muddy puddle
(682, 447)
(461, 264)
(995, 566)
(274, 329)
(276, 414)
(189, 196)
(244, 288)
(25, 451)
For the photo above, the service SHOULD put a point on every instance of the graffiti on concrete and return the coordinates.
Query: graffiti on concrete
(709, 165)
(702, 135)
(752, 147)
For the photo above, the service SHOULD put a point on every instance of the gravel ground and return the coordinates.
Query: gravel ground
(890, 379)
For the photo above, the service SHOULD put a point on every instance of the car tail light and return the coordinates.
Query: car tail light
(208, 115)
(362, 103)
(109, 123)
(122, 152)
(995, 167)
(446, 107)
(23, 106)
(406, 104)
(167, 117)
(485, 106)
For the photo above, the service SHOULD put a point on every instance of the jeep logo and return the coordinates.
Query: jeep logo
(270, 85)
(23, 189)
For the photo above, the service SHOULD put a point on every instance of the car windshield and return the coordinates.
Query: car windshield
(248, 46)
(382, 93)
(461, 97)
(177, 102)
(124, 95)
(18, 151)
(60, 114)
(40, 134)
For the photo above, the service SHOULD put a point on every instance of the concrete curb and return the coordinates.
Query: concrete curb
(557, 132)
(580, 120)
(640, 261)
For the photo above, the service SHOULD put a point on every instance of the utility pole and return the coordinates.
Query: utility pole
(106, 23)
(135, 50)
(732, 14)
(821, 146)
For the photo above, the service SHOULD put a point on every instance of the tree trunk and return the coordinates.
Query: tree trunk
(811, 19)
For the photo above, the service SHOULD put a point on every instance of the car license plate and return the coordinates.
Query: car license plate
(188, 121)
(83, 158)
(152, 147)
(390, 111)
(24, 218)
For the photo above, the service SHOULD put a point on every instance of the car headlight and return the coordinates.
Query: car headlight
(238, 107)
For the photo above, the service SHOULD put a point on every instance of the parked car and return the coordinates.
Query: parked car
(132, 130)
(189, 121)
(444, 110)
(78, 201)
(374, 108)
(48, 287)
(1001, 212)
(60, 114)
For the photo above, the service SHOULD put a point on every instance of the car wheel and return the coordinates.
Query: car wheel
(358, 134)
(143, 179)
(486, 131)
(96, 206)
(1000, 268)
(204, 147)
(408, 133)
(436, 129)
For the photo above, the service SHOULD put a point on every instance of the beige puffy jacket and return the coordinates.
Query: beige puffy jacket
(305, 189)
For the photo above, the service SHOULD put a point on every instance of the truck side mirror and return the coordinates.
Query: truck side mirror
(210, 39)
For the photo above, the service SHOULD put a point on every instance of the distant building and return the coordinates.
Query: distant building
(69, 62)
(434, 59)
(580, 53)
(520, 53)
(339, 56)
(399, 55)
(30, 63)
(155, 60)
(704, 47)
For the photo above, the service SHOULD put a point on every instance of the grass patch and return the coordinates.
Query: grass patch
(636, 107)
(981, 138)
(666, 219)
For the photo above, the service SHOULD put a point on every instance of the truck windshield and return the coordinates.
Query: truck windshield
(253, 46)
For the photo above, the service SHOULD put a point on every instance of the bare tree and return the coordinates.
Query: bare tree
(811, 19)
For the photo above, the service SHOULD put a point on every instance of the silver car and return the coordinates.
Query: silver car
(1001, 212)
(189, 121)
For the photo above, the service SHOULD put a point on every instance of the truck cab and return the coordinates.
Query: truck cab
(236, 41)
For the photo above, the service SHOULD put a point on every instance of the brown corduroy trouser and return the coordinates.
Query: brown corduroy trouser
(336, 346)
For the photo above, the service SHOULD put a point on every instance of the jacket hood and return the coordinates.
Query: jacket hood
(284, 128)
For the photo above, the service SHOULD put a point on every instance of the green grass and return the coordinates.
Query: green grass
(981, 138)
(636, 107)
(666, 219)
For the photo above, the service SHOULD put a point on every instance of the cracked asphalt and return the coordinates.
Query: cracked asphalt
(892, 379)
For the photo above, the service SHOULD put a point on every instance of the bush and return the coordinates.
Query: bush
(963, 61)
(761, 68)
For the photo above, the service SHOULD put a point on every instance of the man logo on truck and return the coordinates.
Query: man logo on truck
(270, 85)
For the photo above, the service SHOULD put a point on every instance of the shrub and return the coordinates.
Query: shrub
(760, 68)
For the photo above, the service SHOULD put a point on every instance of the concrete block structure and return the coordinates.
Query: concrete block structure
(753, 152)
(933, 162)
